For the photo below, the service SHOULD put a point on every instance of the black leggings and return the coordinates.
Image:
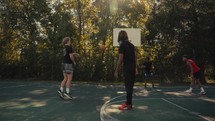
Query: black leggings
(129, 76)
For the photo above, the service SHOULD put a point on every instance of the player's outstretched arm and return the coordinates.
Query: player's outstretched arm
(76, 54)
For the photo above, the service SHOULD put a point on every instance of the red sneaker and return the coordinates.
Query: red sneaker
(124, 106)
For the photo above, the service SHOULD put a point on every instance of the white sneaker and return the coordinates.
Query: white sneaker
(202, 93)
(188, 91)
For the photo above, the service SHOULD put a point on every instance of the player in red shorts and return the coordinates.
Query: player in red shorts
(195, 74)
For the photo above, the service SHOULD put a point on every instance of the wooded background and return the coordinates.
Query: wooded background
(31, 32)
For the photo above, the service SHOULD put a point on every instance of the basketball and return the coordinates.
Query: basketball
(102, 47)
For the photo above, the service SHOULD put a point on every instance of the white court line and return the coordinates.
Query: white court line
(185, 109)
(103, 112)
(106, 117)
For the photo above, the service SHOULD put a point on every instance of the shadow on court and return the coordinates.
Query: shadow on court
(39, 101)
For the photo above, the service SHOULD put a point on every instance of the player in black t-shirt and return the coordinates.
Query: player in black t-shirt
(128, 58)
(67, 67)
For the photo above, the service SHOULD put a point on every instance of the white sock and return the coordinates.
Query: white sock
(191, 89)
(67, 90)
(61, 89)
(202, 89)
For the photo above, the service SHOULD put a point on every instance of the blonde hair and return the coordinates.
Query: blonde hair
(66, 40)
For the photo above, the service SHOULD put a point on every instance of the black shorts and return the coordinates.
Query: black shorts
(197, 75)
(148, 74)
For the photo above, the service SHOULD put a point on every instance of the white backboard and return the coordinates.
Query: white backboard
(134, 36)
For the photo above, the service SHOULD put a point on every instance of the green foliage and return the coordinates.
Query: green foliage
(182, 27)
(32, 31)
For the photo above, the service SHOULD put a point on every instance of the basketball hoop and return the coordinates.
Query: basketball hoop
(134, 36)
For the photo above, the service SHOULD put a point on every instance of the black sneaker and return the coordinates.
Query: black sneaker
(60, 93)
(67, 96)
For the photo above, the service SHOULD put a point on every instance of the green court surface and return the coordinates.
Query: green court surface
(39, 101)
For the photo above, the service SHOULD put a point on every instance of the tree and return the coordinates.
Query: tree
(178, 27)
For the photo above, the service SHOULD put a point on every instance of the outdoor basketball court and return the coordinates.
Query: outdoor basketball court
(39, 101)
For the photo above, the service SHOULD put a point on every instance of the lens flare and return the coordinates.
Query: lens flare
(113, 6)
